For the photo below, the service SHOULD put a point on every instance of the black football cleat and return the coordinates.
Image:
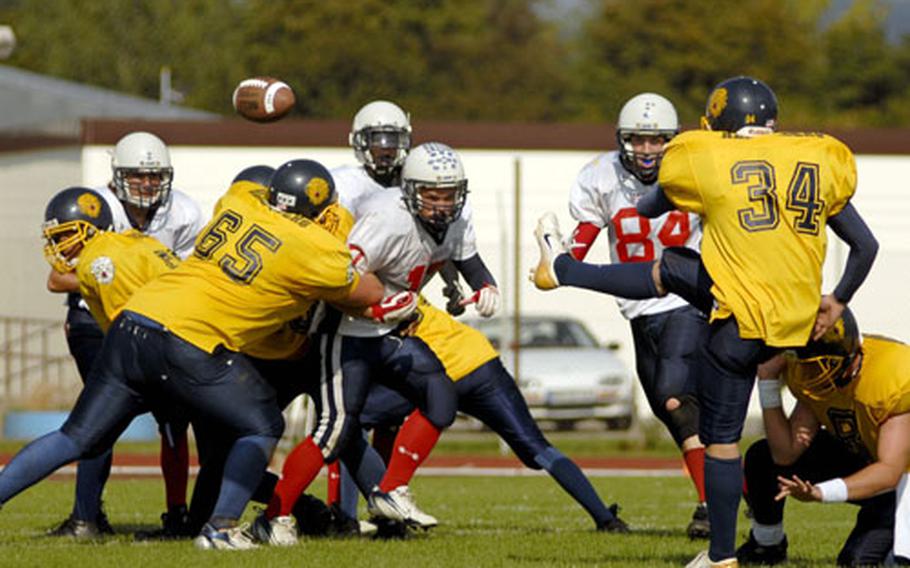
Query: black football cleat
(752, 553)
(699, 527)
(175, 525)
(76, 528)
(614, 525)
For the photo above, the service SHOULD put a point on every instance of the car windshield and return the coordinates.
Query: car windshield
(539, 332)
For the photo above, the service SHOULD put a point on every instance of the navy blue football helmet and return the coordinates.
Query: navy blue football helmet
(303, 187)
(260, 174)
(738, 103)
(73, 217)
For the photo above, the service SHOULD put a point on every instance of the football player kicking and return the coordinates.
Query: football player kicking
(487, 391)
(179, 339)
(666, 331)
(847, 439)
(139, 197)
(401, 240)
(764, 199)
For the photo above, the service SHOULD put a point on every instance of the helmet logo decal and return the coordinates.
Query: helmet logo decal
(285, 201)
(750, 119)
(317, 189)
(89, 205)
(718, 102)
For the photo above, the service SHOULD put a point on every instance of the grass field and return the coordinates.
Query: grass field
(491, 521)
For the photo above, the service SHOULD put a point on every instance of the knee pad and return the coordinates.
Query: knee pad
(684, 418)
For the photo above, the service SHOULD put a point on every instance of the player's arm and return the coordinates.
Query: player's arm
(583, 237)
(367, 291)
(879, 477)
(486, 297)
(62, 282)
(654, 204)
(787, 437)
(587, 207)
(850, 227)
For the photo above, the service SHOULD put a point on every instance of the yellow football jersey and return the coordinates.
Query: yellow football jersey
(881, 389)
(290, 341)
(253, 270)
(114, 265)
(460, 348)
(765, 202)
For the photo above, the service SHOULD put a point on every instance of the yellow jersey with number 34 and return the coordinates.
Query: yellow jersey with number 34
(253, 270)
(855, 413)
(112, 266)
(764, 202)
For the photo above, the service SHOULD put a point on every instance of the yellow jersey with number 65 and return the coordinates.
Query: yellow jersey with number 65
(764, 202)
(460, 348)
(855, 413)
(112, 266)
(254, 269)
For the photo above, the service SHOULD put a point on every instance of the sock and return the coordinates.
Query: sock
(243, 469)
(695, 463)
(570, 477)
(333, 484)
(91, 475)
(413, 444)
(300, 469)
(36, 461)
(723, 488)
(384, 441)
(768, 535)
(175, 465)
(365, 466)
(347, 493)
(632, 280)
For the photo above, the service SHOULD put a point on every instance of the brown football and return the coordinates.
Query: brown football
(263, 99)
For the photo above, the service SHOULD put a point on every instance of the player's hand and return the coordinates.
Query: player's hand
(798, 489)
(829, 311)
(396, 307)
(487, 301)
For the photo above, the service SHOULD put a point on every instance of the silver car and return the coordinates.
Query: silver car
(566, 376)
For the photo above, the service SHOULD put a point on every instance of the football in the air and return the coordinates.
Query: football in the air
(263, 99)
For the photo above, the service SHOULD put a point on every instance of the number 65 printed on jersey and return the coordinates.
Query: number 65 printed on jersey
(227, 229)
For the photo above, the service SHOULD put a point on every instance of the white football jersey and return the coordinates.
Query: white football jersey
(353, 185)
(175, 224)
(604, 194)
(388, 241)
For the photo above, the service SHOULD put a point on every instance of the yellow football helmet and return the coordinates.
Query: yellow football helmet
(825, 365)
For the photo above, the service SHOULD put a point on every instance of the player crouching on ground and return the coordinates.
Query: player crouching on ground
(847, 439)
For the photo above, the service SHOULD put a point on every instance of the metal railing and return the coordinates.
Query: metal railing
(36, 371)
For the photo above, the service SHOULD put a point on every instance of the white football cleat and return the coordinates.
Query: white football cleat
(398, 505)
(551, 245)
(704, 561)
(235, 538)
(280, 531)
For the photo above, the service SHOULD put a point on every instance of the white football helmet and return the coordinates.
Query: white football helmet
(381, 137)
(434, 166)
(646, 114)
(142, 153)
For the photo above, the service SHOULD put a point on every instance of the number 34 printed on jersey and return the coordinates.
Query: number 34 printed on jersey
(246, 261)
(803, 197)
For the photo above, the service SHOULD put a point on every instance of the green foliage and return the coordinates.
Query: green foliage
(492, 60)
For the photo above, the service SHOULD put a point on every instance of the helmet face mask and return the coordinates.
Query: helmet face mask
(142, 172)
(381, 138)
(73, 217)
(434, 187)
(742, 105)
(646, 123)
(826, 365)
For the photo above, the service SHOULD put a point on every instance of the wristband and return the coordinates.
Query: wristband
(769, 393)
(833, 490)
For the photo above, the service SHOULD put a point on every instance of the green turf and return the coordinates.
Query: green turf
(519, 521)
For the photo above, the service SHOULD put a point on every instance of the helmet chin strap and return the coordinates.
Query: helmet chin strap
(436, 230)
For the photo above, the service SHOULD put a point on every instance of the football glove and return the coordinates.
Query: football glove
(394, 308)
(487, 301)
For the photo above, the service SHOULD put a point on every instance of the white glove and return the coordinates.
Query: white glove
(396, 307)
(487, 301)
